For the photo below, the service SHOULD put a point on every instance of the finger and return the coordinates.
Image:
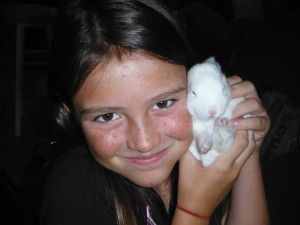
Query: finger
(233, 79)
(249, 150)
(244, 89)
(250, 106)
(259, 120)
(259, 124)
(256, 123)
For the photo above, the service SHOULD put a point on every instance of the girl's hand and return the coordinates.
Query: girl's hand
(249, 187)
(201, 189)
(260, 121)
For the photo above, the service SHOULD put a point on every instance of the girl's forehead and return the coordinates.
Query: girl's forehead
(131, 76)
(132, 66)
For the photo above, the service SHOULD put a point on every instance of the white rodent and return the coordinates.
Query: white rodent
(210, 104)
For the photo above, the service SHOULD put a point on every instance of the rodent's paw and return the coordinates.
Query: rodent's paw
(205, 145)
(194, 151)
(226, 123)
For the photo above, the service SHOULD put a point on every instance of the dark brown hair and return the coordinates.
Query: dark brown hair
(89, 32)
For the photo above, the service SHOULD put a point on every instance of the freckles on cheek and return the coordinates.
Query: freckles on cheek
(103, 144)
(179, 125)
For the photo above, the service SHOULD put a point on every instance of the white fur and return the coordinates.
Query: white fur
(210, 105)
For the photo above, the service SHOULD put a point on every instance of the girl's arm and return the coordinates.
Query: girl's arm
(201, 189)
(248, 200)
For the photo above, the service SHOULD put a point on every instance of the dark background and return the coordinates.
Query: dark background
(258, 40)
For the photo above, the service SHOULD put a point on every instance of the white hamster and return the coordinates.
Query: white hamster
(210, 105)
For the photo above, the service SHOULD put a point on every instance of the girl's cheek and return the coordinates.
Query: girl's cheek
(178, 125)
(103, 143)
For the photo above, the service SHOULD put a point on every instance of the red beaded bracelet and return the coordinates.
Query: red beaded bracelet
(191, 213)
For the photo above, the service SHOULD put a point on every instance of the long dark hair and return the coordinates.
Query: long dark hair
(89, 32)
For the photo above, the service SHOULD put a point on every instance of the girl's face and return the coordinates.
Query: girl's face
(134, 118)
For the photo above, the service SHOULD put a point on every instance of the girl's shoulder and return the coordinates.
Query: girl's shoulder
(75, 170)
(74, 191)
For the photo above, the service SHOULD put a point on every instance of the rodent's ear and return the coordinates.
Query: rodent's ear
(211, 60)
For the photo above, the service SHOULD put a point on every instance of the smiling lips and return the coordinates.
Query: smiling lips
(148, 160)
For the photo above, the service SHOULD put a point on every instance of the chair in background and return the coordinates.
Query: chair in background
(25, 17)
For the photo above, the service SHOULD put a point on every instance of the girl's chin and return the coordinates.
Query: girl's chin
(151, 179)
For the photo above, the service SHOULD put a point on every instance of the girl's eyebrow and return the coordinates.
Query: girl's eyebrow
(93, 110)
(165, 95)
(157, 98)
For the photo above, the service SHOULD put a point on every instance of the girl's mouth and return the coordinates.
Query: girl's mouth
(148, 160)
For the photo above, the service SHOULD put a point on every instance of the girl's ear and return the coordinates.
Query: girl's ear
(68, 110)
(67, 107)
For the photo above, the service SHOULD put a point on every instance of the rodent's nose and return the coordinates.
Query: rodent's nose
(212, 113)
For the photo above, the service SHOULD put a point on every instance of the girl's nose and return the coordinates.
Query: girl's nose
(142, 136)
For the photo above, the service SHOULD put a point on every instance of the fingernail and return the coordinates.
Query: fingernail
(235, 123)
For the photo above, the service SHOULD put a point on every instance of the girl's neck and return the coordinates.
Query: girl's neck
(164, 191)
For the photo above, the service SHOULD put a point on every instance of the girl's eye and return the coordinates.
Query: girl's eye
(107, 117)
(163, 104)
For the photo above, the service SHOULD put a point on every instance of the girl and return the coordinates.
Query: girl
(119, 86)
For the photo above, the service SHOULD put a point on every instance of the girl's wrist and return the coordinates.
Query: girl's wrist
(193, 208)
(183, 218)
(197, 215)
